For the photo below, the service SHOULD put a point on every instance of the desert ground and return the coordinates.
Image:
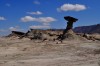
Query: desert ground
(25, 52)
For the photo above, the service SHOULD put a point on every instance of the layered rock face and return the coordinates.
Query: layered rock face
(36, 34)
(52, 35)
(43, 34)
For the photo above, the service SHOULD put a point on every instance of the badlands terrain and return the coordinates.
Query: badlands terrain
(25, 52)
(31, 49)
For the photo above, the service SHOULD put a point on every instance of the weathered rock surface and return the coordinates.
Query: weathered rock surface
(36, 34)
(29, 53)
(16, 34)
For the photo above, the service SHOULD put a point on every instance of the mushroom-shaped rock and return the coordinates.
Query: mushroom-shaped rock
(69, 27)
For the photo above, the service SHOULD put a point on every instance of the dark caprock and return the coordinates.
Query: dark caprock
(70, 22)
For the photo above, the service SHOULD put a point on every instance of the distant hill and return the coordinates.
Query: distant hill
(88, 29)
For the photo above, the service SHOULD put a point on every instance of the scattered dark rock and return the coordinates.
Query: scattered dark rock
(16, 34)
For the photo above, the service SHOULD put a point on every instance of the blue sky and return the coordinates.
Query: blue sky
(21, 15)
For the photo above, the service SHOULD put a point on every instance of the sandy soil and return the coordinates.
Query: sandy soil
(24, 52)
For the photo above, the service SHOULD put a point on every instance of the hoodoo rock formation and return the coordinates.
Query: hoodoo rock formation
(68, 32)
(55, 34)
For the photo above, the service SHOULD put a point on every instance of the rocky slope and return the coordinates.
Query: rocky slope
(88, 29)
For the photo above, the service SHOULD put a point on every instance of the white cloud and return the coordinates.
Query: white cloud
(2, 18)
(16, 28)
(36, 2)
(71, 7)
(13, 29)
(46, 24)
(45, 19)
(35, 13)
(39, 27)
(40, 19)
(28, 19)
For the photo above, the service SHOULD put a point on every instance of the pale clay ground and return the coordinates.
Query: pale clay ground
(24, 52)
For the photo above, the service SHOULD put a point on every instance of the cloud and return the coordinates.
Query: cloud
(39, 27)
(71, 7)
(35, 13)
(13, 29)
(16, 28)
(28, 19)
(2, 18)
(8, 5)
(46, 24)
(36, 2)
(45, 19)
(40, 19)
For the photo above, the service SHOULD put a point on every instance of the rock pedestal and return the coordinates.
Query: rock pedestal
(68, 32)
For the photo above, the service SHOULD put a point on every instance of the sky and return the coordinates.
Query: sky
(21, 15)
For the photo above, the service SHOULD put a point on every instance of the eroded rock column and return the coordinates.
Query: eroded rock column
(69, 27)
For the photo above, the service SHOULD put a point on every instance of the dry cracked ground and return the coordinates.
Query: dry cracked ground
(24, 52)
